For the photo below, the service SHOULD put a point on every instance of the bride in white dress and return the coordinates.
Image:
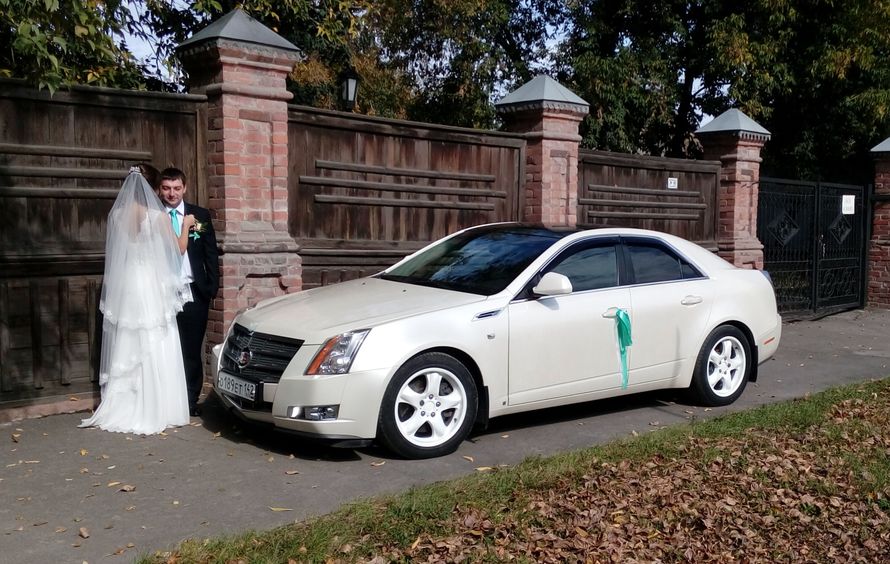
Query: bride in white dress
(141, 373)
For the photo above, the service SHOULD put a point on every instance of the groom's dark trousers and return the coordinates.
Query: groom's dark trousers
(192, 320)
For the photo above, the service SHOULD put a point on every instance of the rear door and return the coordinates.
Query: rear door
(671, 302)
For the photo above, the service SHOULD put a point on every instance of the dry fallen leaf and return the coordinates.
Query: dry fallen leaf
(61, 529)
(15, 437)
(84, 533)
(291, 472)
(277, 509)
(127, 488)
(112, 484)
(378, 463)
(470, 458)
(484, 469)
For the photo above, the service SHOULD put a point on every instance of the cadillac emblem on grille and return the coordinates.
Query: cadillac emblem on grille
(244, 358)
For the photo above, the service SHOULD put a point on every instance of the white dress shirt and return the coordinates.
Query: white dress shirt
(186, 265)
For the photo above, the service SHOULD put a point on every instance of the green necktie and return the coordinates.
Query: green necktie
(175, 219)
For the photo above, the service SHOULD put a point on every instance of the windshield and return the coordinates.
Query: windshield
(480, 261)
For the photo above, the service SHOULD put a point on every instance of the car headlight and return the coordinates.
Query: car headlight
(337, 354)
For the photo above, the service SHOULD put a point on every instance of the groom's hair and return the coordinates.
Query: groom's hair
(173, 173)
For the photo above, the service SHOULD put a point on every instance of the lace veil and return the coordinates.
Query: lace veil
(143, 287)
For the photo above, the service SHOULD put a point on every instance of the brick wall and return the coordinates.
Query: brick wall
(879, 248)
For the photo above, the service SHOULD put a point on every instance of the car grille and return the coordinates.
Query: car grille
(266, 355)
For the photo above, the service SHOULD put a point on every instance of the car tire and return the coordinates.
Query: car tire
(429, 407)
(722, 368)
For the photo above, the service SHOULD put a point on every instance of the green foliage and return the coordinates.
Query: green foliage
(59, 43)
(458, 53)
(814, 73)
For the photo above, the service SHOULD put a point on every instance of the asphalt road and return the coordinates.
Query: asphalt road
(216, 477)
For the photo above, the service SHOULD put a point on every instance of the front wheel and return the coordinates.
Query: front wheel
(722, 367)
(429, 407)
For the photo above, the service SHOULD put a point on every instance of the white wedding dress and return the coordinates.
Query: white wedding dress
(141, 375)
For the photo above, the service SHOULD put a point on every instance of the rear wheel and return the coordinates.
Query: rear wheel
(722, 367)
(429, 407)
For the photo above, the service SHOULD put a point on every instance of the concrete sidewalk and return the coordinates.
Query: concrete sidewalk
(216, 477)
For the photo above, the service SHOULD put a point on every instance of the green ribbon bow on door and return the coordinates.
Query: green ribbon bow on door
(622, 325)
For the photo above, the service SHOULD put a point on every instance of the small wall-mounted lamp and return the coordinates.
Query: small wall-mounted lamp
(349, 81)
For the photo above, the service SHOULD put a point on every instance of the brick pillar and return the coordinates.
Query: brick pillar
(241, 66)
(736, 141)
(879, 246)
(549, 115)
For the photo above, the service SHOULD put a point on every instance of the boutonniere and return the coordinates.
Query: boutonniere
(197, 229)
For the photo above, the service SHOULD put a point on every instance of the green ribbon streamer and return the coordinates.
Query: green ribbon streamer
(622, 324)
(194, 235)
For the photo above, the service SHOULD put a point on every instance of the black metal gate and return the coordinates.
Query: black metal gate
(814, 237)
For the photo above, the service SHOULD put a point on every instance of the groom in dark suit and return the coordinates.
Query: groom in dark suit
(201, 269)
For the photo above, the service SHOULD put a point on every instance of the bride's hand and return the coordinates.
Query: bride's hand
(188, 222)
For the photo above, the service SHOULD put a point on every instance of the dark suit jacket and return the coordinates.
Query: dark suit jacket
(203, 255)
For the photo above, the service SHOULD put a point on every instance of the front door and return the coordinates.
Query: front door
(562, 346)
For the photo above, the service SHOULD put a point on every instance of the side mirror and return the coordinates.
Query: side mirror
(553, 284)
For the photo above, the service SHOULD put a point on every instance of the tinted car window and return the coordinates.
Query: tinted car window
(590, 268)
(479, 261)
(652, 263)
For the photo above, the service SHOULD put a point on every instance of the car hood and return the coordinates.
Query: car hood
(318, 314)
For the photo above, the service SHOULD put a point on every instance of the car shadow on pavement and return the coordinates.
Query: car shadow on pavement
(217, 420)
(659, 400)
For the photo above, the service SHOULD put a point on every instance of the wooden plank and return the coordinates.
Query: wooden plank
(61, 172)
(58, 193)
(64, 340)
(642, 215)
(640, 204)
(326, 199)
(646, 162)
(394, 171)
(328, 119)
(78, 152)
(392, 187)
(36, 335)
(93, 338)
(5, 367)
(643, 191)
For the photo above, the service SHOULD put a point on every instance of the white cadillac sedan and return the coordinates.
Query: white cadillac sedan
(493, 320)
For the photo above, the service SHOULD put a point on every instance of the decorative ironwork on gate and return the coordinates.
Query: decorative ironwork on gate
(814, 238)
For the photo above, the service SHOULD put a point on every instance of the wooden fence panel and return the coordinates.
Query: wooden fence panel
(364, 192)
(618, 190)
(62, 161)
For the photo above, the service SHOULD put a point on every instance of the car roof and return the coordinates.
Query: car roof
(698, 254)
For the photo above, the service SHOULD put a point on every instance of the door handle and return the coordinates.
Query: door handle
(691, 300)
(611, 313)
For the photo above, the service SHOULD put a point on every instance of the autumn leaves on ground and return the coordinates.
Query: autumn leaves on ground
(798, 482)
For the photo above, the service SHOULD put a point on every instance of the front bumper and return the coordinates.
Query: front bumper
(357, 395)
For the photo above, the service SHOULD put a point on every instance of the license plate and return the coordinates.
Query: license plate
(236, 386)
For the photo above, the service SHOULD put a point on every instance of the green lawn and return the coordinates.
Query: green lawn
(807, 480)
